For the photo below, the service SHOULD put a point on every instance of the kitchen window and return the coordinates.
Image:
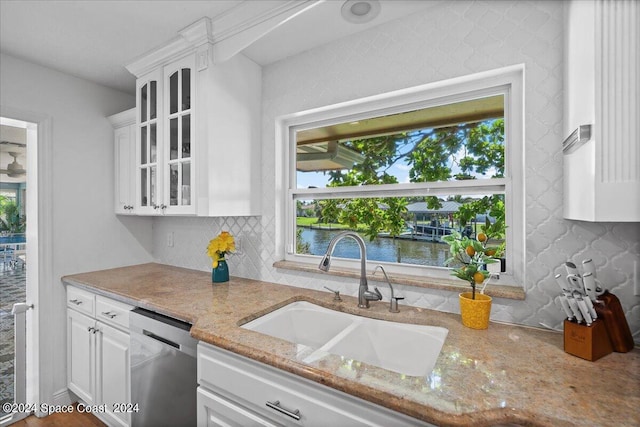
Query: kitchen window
(403, 169)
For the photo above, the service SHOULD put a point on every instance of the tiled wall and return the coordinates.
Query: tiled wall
(448, 40)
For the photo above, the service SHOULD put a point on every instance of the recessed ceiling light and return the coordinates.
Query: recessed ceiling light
(360, 11)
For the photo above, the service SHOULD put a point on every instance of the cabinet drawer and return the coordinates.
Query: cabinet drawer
(214, 411)
(112, 312)
(284, 398)
(81, 300)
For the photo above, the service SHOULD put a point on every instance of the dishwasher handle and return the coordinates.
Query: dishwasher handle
(161, 339)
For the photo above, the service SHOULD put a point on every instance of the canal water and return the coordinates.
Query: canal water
(385, 249)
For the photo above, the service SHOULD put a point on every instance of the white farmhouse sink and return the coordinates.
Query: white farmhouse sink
(399, 347)
(302, 323)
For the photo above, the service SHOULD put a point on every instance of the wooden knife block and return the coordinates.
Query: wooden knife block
(587, 342)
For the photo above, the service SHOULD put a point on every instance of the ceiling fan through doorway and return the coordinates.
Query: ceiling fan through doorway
(14, 169)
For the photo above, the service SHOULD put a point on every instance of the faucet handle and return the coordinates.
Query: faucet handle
(336, 294)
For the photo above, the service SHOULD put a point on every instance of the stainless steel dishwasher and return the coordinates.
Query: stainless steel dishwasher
(163, 370)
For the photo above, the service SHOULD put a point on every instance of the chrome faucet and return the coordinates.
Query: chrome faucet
(364, 294)
(393, 301)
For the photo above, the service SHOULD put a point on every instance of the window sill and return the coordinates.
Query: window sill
(448, 284)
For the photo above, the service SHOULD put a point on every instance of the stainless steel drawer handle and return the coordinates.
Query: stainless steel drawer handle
(109, 314)
(276, 405)
(75, 301)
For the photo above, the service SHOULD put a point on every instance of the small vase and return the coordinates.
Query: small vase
(475, 312)
(220, 274)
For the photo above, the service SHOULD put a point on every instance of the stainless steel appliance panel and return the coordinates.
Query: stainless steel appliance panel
(163, 370)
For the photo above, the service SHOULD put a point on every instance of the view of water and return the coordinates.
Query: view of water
(380, 249)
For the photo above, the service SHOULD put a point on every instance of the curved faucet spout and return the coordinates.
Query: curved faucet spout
(364, 294)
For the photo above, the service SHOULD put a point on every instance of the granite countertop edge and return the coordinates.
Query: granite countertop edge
(126, 286)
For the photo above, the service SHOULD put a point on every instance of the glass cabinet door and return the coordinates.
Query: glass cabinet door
(179, 124)
(149, 92)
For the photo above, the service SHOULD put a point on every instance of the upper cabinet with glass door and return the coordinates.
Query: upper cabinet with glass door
(178, 163)
(198, 129)
(149, 131)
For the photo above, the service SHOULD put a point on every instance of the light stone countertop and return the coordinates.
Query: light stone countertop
(505, 374)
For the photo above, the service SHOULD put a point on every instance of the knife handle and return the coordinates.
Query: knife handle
(574, 308)
(565, 306)
(591, 308)
(575, 283)
(589, 285)
(589, 267)
(571, 268)
(583, 308)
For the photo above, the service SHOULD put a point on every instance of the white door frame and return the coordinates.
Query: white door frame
(40, 257)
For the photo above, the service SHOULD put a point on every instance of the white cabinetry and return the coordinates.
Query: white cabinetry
(178, 164)
(98, 352)
(236, 391)
(124, 161)
(148, 129)
(198, 129)
(602, 80)
(81, 355)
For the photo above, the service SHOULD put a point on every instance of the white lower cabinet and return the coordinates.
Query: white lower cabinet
(112, 369)
(81, 355)
(215, 410)
(98, 355)
(237, 391)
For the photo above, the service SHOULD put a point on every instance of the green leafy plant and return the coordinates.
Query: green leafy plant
(456, 152)
(10, 218)
(470, 258)
(495, 231)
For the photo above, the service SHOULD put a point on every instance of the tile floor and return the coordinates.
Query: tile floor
(12, 290)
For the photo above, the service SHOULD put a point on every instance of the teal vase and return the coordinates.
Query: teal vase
(220, 274)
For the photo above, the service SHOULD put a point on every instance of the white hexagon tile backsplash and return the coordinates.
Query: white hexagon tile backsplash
(446, 40)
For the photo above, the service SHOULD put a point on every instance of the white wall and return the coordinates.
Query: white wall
(453, 39)
(86, 233)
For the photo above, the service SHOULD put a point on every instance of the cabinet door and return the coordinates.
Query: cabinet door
(216, 411)
(112, 365)
(81, 355)
(178, 168)
(124, 170)
(148, 143)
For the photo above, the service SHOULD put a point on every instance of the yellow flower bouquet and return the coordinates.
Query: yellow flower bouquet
(219, 246)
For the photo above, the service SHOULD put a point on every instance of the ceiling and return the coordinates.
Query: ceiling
(95, 39)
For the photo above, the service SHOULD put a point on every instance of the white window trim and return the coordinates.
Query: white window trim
(510, 80)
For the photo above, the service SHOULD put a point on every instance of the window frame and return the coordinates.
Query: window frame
(508, 81)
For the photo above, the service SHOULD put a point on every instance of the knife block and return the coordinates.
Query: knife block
(587, 342)
(610, 311)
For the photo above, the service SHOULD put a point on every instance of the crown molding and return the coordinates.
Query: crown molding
(228, 34)
(124, 118)
(188, 40)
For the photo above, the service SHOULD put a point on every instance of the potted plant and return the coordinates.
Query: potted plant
(470, 258)
(217, 249)
(495, 233)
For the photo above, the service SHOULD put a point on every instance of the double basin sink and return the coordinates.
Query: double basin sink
(400, 347)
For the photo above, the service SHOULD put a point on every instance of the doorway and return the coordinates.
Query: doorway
(18, 203)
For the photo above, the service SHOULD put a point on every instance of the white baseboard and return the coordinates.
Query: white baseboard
(62, 397)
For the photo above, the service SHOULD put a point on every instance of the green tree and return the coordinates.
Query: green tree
(302, 247)
(449, 153)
